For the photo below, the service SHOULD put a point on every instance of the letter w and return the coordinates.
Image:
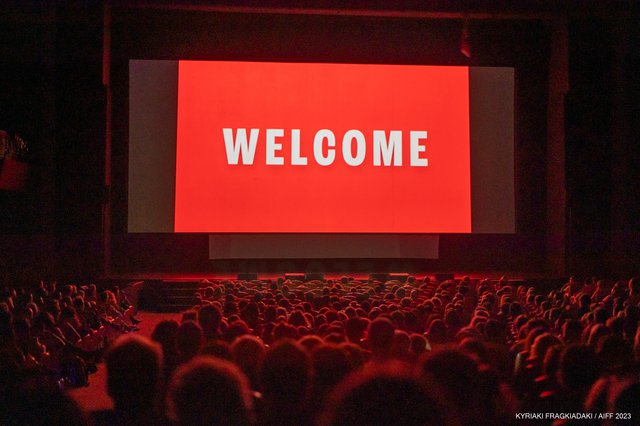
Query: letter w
(240, 145)
(387, 150)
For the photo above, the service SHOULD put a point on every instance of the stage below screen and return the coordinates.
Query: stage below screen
(322, 246)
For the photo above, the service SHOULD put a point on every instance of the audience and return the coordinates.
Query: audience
(331, 352)
(57, 333)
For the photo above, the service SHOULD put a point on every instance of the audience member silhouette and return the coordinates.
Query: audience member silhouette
(134, 377)
(286, 384)
(210, 391)
(189, 340)
(385, 394)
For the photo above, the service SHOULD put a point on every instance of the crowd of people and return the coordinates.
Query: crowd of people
(341, 352)
(57, 335)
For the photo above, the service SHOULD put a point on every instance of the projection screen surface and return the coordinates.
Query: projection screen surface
(281, 148)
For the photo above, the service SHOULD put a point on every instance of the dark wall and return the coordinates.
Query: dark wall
(51, 94)
(602, 150)
(588, 144)
(80, 127)
(27, 108)
(625, 132)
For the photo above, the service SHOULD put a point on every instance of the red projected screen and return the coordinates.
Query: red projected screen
(322, 148)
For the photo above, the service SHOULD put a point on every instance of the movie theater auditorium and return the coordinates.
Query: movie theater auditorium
(319, 212)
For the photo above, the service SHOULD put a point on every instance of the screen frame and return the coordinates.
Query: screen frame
(476, 228)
